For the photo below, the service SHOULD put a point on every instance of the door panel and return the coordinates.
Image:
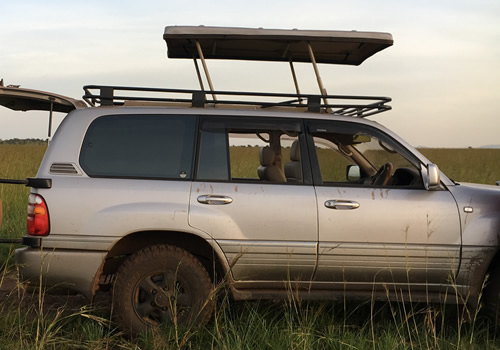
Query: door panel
(377, 223)
(267, 232)
(263, 217)
(395, 236)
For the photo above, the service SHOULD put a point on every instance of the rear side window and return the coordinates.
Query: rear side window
(139, 146)
(250, 150)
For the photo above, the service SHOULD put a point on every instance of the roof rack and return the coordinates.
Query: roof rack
(353, 106)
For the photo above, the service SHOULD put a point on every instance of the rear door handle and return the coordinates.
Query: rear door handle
(341, 204)
(213, 199)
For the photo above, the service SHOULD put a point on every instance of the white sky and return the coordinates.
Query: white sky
(443, 71)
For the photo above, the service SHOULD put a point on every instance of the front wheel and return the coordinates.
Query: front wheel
(161, 284)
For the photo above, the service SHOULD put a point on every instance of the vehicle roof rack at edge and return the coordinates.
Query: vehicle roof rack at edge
(354, 106)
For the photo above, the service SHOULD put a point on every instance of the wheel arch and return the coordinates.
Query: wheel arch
(209, 254)
(484, 280)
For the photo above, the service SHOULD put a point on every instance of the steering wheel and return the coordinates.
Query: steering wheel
(383, 175)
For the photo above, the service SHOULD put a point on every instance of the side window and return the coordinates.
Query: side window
(253, 150)
(244, 153)
(333, 161)
(212, 159)
(139, 146)
(358, 155)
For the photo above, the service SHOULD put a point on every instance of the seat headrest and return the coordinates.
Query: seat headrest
(295, 151)
(266, 156)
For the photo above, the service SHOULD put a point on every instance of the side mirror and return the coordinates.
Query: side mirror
(353, 173)
(431, 177)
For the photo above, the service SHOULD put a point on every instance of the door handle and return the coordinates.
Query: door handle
(214, 199)
(341, 204)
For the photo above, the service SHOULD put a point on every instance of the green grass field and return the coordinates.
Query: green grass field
(292, 324)
(467, 164)
(17, 162)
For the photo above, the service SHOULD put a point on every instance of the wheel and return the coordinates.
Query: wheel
(383, 175)
(161, 284)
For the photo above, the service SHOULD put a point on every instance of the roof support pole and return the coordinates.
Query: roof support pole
(51, 99)
(316, 71)
(198, 73)
(205, 68)
(296, 83)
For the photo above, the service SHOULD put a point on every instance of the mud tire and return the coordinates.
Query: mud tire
(161, 284)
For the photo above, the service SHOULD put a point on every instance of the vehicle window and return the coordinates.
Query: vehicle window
(244, 149)
(139, 146)
(358, 155)
(258, 150)
(212, 160)
(332, 161)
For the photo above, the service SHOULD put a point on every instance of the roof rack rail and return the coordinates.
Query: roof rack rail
(353, 106)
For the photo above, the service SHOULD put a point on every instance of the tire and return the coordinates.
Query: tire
(161, 284)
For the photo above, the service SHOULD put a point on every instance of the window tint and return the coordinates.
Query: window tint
(142, 146)
(212, 164)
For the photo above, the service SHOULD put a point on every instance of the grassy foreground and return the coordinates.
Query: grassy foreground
(32, 320)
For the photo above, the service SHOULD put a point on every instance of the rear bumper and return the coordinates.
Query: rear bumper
(77, 270)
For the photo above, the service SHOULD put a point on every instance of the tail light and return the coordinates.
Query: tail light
(38, 216)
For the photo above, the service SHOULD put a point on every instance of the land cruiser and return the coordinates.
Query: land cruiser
(168, 196)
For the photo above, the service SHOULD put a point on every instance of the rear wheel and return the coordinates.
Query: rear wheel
(161, 284)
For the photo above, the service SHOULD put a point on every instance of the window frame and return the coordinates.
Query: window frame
(333, 124)
(229, 122)
(194, 131)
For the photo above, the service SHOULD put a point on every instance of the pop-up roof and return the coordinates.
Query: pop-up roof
(314, 46)
(334, 47)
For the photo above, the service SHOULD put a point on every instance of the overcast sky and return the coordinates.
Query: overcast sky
(443, 71)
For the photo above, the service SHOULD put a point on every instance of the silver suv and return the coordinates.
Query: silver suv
(166, 199)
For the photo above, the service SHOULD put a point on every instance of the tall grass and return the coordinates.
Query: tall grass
(467, 164)
(17, 162)
(34, 320)
(253, 325)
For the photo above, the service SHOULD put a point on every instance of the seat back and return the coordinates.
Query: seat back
(293, 169)
(268, 170)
